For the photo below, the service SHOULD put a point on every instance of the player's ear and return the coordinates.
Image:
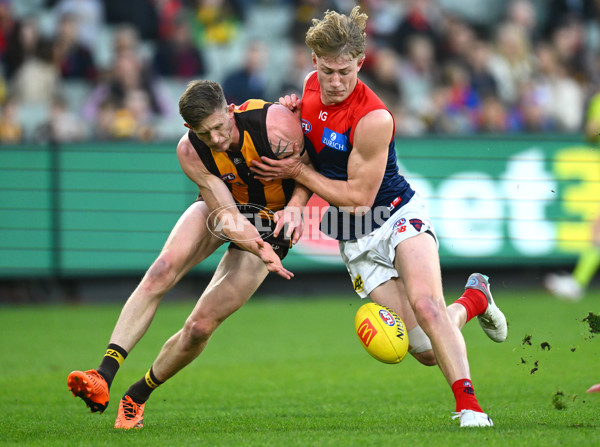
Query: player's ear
(360, 63)
(188, 126)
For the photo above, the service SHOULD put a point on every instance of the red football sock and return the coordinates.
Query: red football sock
(465, 396)
(474, 301)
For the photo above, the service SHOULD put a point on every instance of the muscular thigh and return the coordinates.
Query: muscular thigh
(237, 277)
(418, 265)
(190, 241)
(392, 294)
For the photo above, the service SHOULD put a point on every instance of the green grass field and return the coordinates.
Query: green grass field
(291, 372)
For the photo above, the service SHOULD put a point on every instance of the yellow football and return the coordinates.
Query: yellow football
(381, 332)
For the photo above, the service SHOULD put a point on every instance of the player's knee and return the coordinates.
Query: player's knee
(161, 275)
(427, 358)
(198, 330)
(428, 311)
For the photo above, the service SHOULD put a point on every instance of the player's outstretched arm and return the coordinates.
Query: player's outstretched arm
(228, 218)
(271, 260)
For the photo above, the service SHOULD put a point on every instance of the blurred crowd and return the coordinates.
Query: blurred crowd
(72, 70)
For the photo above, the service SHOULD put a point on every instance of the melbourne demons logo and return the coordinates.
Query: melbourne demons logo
(366, 332)
(417, 223)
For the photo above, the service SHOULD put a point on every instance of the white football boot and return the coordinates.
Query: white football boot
(492, 321)
(563, 286)
(470, 418)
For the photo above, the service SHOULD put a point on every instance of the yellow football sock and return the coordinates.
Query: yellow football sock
(586, 267)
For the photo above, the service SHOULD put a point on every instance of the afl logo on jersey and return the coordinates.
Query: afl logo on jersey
(306, 127)
(228, 177)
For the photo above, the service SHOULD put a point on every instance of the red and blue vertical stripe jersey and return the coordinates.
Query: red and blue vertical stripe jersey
(330, 131)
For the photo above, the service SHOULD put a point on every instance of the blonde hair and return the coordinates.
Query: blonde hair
(200, 100)
(338, 34)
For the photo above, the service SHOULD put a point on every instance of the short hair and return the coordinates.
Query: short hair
(338, 34)
(200, 100)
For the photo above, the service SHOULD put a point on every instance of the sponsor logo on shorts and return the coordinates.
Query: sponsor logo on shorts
(399, 226)
(359, 284)
(417, 223)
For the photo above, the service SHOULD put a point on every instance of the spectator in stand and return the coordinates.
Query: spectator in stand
(482, 80)
(126, 39)
(141, 14)
(304, 12)
(384, 16)
(531, 112)
(560, 10)
(11, 131)
(300, 65)
(129, 119)
(523, 14)
(463, 103)
(169, 14)
(249, 81)
(38, 77)
(75, 59)
(422, 17)
(458, 41)
(568, 40)
(7, 23)
(563, 98)
(511, 62)
(178, 55)
(89, 15)
(21, 43)
(383, 76)
(418, 75)
(129, 71)
(62, 125)
(493, 116)
(216, 22)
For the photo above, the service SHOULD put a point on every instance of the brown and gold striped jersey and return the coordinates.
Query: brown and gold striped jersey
(233, 167)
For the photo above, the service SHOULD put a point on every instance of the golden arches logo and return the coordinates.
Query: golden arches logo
(366, 331)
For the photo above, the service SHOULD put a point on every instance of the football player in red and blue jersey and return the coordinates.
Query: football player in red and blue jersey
(386, 238)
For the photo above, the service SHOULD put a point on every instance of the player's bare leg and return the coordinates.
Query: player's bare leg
(418, 264)
(188, 243)
(238, 276)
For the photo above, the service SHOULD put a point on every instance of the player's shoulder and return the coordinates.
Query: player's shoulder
(185, 146)
(311, 80)
(251, 104)
(375, 120)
